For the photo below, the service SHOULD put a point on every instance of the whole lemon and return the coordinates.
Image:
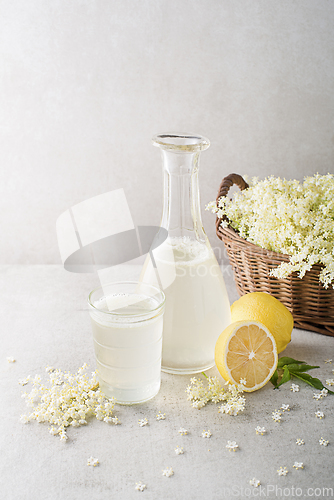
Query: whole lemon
(263, 307)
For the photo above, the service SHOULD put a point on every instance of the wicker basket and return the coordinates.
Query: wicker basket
(311, 305)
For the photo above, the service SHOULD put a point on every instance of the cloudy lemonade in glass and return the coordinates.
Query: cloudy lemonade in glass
(127, 321)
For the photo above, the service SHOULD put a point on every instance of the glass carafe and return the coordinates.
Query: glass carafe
(184, 265)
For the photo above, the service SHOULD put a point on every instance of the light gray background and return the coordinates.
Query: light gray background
(84, 84)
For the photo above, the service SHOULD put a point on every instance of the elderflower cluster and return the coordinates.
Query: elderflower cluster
(287, 217)
(200, 395)
(67, 400)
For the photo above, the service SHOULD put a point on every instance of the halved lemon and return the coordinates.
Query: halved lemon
(246, 350)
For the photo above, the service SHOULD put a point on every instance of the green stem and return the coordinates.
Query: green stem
(205, 375)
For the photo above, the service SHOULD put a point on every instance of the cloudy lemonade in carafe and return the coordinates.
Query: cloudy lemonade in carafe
(197, 307)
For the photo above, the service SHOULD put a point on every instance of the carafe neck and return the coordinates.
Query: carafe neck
(181, 208)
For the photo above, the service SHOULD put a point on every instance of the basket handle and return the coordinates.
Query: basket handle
(228, 182)
(225, 186)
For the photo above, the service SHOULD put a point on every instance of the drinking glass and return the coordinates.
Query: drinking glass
(127, 321)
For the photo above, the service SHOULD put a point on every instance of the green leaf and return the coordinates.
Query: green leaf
(274, 378)
(287, 361)
(301, 368)
(286, 377)
(314, 382)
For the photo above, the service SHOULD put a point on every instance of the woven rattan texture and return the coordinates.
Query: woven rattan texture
(311, 305)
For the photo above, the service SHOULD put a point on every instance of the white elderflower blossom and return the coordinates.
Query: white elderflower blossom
(260, 430)
(323, 442)
(298, 465)
(276, 416)
(63, 435)
(322, 394)
(24, 381)
(199, 395)
(183, 431)
(140, 486)
(329, 361)
(299, 441)
(294, 387)
(108, 420)
(330, 381)
(67, 400)
(232, 445)
(179, 450)
(161, 416)
(282, 471)
(206, 434)
(254, 482)
(10, 359)
(285, 407)
(297, 221)
(93, 461)
(142, 422)
(168, 472)
(319, 414)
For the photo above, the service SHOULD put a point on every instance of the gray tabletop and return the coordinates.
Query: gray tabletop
(44, 321)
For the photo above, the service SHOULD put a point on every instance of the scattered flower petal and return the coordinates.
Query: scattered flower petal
(276, 416)
(168, 472)
(322, 394)
(24, 381)
(330, 381)
(232, 445)
(323, 442)
(319, 414)
(294, 387)
(183, 431)
(63, 435)
(285, 407)
(140, 486)
(161, 416)
(10, 359)
(93, 461)
(179, 450)
(142, 422)
(282, 471)
(298, 465)
(299, 441)
(254, 482)
(328, 361)
(206, 434)
(260, 430)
